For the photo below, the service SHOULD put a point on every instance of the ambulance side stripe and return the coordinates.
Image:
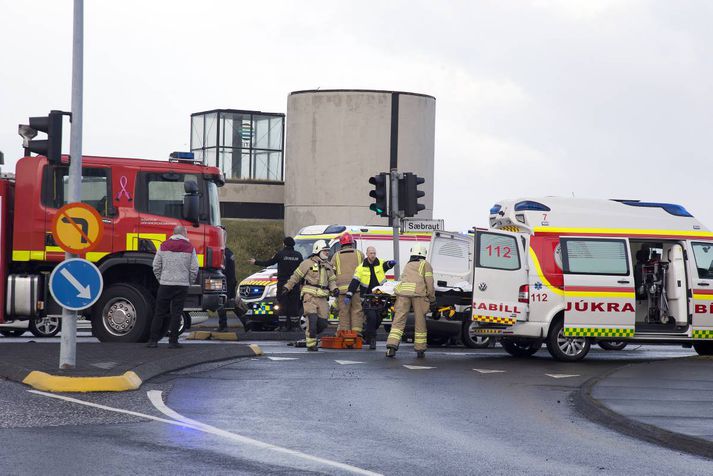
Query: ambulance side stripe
(541, 275)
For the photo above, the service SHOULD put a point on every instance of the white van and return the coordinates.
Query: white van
(567, 271)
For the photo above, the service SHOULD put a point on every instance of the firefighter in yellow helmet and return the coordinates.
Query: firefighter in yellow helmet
(345, 262)
(319, 282)
(414, 291)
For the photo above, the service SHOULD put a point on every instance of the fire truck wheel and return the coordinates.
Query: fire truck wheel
(612, 344)
(521, 348)
(472, 340)
(45, 327)
(123, 314)
(12, 333)
(564, 348)
(703, 348)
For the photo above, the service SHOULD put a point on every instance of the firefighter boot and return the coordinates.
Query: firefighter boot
(313, 348)
(372, 343)
(390, 351)
(420, 354)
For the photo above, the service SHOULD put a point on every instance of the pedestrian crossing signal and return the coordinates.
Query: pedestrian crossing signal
(380, 205)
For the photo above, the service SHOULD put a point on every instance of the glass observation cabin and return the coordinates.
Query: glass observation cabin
(245, 145)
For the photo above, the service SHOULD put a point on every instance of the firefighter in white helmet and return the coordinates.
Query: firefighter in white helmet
(319, 281)
(414, 291)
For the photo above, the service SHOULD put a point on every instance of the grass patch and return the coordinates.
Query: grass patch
(258, 239)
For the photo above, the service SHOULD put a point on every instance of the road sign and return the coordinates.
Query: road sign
(410, 225)
(76, 284)
(77, 228)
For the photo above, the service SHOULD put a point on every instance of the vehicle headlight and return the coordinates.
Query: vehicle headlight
(213, 284)
(271, 291)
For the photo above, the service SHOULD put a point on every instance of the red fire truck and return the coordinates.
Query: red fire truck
(140, 201)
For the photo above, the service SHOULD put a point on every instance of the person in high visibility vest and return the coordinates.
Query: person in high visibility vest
(414, 291)
(344, 262)
(368, 275)
(319, 282)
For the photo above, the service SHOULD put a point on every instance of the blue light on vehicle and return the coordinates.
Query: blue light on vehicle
(496, 208)
(256, 290)
(529, 206)
(182, 155)
(672, 208)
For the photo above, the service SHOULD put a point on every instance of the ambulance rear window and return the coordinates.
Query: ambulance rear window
(497, 251)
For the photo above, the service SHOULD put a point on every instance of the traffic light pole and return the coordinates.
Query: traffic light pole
(395, 218)
(68, 344)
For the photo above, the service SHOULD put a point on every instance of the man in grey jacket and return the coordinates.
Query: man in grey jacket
(176, 268)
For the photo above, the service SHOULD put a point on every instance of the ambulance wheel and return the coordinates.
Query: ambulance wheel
(564, 348)
(612, 344)
(45, 327)
(123, 314)
(12, 333)
(704, 348)
(472, 340)
(521, 348)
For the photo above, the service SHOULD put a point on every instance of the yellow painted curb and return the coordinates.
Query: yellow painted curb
(57, 383)
(256, 348)
(223, 336)
(199, 335)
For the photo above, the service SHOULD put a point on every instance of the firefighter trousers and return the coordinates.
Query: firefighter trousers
(351, 316)
(403, 305)
(316, 310)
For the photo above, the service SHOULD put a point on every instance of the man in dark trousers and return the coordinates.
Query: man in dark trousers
(287, 261)
(176, 268)
(231, 283)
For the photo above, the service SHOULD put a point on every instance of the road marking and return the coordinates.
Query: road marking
(562, 375)
(347, 362)
(489, 371)
(179, 420)
(283, 358)
(155, 397)
(417, 367)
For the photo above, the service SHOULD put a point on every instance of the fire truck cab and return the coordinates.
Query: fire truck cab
(139, 201)
(566, 272)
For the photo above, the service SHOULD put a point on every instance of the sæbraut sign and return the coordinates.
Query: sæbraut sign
(408, 225)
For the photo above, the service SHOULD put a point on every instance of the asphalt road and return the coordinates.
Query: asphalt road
(338, 412)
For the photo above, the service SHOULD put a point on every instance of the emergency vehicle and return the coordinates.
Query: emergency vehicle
(139, 201)
(568, 272)
(259, 290)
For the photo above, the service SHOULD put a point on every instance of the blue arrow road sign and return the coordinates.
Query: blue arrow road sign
(76, 284)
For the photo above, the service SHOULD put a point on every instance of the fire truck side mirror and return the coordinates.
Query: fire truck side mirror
(191, 204)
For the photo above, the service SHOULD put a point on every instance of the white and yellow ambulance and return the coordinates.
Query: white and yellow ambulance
(567, 272)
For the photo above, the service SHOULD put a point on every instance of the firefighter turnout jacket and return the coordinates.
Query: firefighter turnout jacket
(417, 280)
(345, 263)
(316, 275)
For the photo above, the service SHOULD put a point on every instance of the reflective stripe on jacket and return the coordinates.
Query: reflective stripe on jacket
(318, 277)
(344, 263)
(417, 280)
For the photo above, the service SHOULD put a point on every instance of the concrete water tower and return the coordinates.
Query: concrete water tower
(337, 139)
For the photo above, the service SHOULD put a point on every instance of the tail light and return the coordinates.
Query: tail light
(523, 295)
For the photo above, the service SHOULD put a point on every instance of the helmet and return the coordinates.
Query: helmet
(346, 239)
(318, 246)
(419, 250)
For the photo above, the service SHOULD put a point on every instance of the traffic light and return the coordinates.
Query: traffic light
(409, 194)
(52, 126)
(380, 205)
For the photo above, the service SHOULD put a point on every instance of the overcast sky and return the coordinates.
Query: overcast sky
(596, 98)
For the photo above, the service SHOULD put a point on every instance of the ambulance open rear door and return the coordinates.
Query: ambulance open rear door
(500, 277)
(598, 287)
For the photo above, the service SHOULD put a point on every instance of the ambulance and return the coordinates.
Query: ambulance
(259, 290)
(567, 272)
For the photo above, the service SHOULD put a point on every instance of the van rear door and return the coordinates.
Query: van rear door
(598, 287)
(451, 256)
(499, 274)
(701, 279)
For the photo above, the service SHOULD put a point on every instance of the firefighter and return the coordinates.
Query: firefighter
(345, 262)
(287, 261)
(319, 282)
(368, 275)
(414, 291)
